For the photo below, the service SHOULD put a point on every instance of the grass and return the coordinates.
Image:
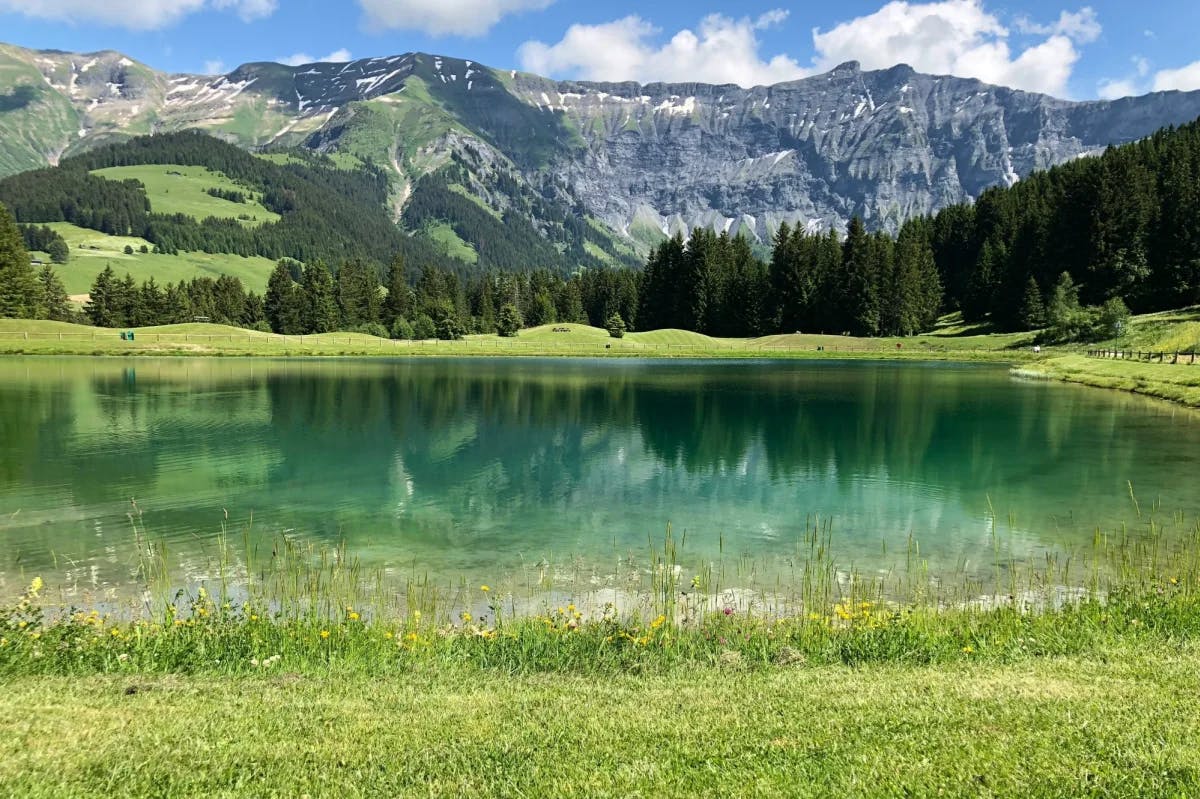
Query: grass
(99, 250)
(36, 337)
(1120, 723)
(1176, 383)
(175, 189)
(451, 243)
(1168, 332)
(295, 673)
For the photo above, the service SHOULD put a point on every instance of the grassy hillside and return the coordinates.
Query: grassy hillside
(91, 252)
(36, 122)
(176, 189)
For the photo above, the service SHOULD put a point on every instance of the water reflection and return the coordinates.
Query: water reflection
(461, 465)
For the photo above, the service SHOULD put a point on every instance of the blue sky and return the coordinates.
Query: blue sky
(1102, 48)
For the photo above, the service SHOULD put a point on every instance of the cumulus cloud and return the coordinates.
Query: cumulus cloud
(1140, 81)
(445, 17)
(137, 15)
(960, 37)
(1082, 26)
(298, 59)
(722, 50)
(248, 10)
(950, 37)
(1184, 79)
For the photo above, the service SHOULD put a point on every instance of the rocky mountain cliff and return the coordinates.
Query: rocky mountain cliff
(643, 160)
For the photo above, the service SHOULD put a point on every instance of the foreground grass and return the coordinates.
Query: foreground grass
(1120, 722)
(306, 680)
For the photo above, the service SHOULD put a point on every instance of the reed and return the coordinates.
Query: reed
(305, 607)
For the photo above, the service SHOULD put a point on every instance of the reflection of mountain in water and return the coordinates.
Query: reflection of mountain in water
(467, 461)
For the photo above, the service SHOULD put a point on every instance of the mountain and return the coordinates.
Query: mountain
(587, 172)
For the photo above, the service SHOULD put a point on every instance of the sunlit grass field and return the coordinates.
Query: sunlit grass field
(98, 251)
(48, 338)
(176, 189)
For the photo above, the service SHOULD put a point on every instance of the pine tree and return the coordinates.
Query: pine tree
(398, 302)
(1033, 308)
(103, 305)
(615, 325)
(358, 295)
(282, 303)
(151, 306)
(54, 301)
(860, 300)
(320, 306)
(19, 293)
(129, 299)
(509, 323)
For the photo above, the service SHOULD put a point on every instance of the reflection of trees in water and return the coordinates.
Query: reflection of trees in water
(489, 445)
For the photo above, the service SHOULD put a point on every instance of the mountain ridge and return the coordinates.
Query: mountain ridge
(645, 160)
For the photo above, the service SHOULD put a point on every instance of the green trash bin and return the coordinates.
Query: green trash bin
(123, 335)
(131, 335)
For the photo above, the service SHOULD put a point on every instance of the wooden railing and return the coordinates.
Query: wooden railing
(1146, 356)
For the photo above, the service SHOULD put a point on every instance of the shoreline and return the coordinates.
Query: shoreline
(1179, 385)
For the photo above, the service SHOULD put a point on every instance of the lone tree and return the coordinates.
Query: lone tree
(615, 325)
(509, 322)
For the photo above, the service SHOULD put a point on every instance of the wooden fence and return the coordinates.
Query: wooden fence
(1147, 356)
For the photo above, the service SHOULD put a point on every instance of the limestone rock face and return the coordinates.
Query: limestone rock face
(646, 160)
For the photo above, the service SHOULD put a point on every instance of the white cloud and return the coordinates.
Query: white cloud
(445, 17)
(136, 15)
(216, 67)
(297, 59)
(248, 10)
(959, 37)
(1184, 79)
(724, 50)
(1081, 26)
(1114, 89)
(948, 37)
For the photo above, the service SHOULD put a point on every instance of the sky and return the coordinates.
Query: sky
(1100, 49)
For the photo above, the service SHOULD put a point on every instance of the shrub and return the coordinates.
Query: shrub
(424, 328)
(372, 329)
(402, 329)
(616, 326)
(449, 328)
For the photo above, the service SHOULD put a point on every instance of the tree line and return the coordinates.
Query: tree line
(1123, 226)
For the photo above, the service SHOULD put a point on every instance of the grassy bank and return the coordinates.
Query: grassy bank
(301, 674)
(58, 338)
(1118, 722)
(1176, 383)
(1168, 332)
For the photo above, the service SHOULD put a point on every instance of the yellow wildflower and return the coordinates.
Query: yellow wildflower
(484, 588)
(968, 650)
(324, 634)
(353, 616)
(35, 586)
(659, 622)
(413, 637)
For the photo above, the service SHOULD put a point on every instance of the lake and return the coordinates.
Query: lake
(472, 468)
